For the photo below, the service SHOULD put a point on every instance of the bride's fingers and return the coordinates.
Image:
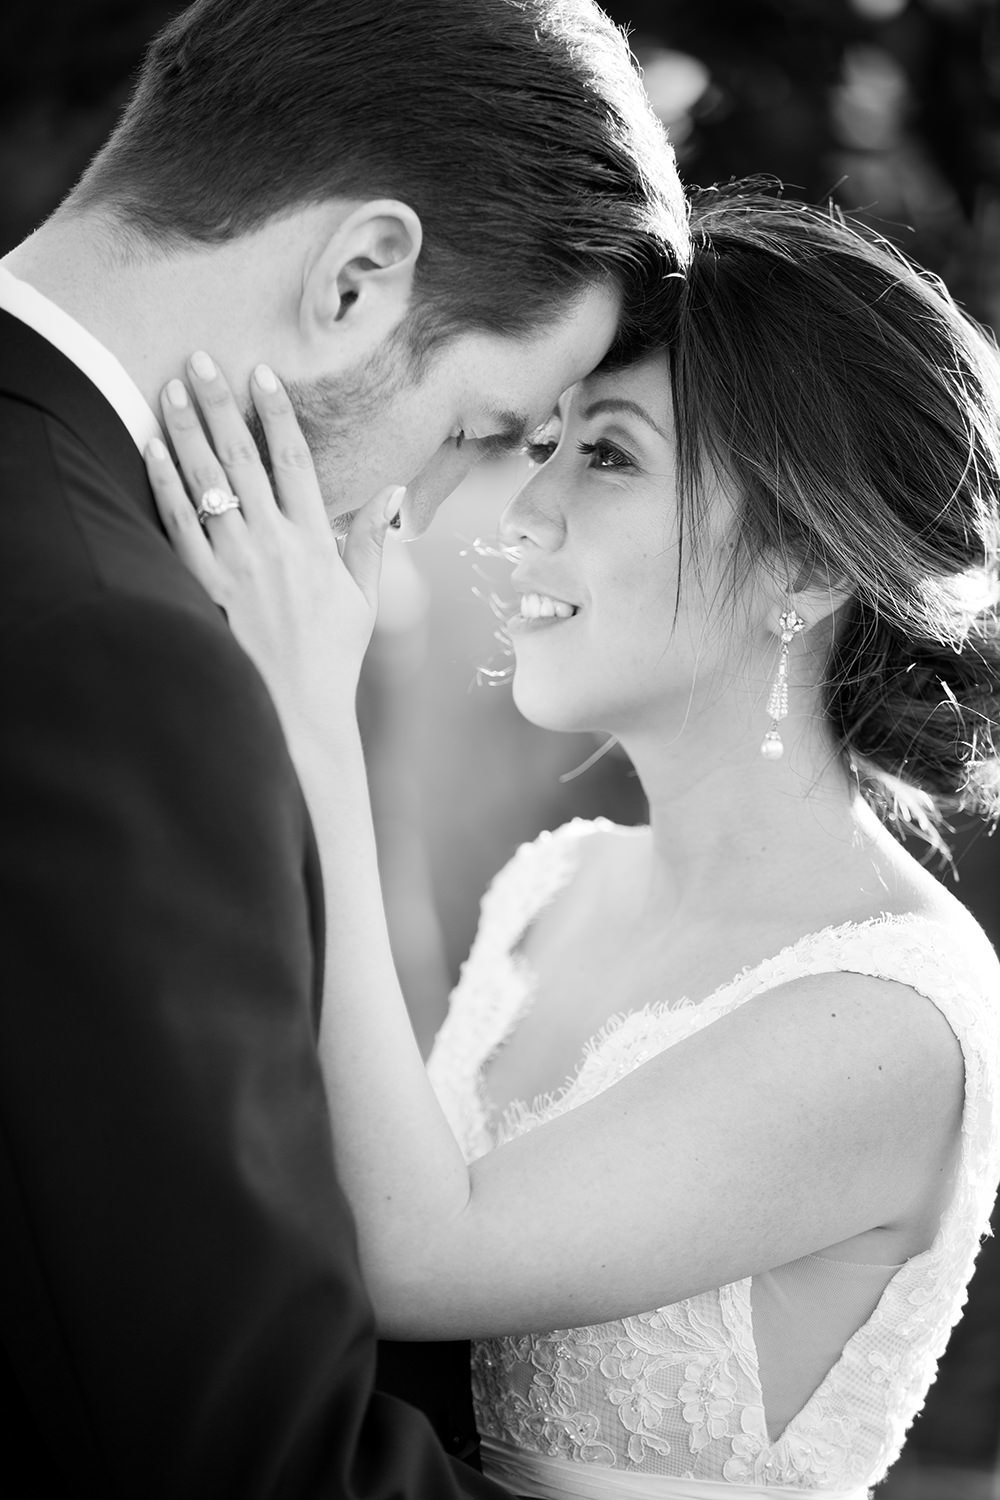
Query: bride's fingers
(225, 456)
(199, 467)
(229, 437)
(363, 547)
(291, 462)
(179, 520)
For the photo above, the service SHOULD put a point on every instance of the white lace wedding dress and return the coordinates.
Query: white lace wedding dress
(669, 1404)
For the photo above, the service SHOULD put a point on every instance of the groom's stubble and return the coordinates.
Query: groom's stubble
(331, 411)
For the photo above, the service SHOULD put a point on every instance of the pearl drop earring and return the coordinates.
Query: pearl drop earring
(771, 746)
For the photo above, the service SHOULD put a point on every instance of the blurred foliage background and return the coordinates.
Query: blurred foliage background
(891, 108)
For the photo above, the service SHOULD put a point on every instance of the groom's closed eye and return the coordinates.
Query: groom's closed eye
(512, 429)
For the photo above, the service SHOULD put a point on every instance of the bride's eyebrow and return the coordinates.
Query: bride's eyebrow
(621, 403)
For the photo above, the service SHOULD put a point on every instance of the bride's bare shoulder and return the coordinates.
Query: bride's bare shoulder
(911, 889)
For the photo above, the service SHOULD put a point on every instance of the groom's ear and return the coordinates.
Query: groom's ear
(357, 288)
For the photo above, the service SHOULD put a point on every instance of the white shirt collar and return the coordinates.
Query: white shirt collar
(89, 355)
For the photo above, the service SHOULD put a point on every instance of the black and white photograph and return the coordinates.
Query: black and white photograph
(500, 749)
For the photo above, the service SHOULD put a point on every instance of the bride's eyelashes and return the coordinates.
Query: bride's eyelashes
(606, 455)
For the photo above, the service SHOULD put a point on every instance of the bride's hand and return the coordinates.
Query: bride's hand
(301, 609)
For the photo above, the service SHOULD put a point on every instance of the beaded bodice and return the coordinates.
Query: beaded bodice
(675, 1392)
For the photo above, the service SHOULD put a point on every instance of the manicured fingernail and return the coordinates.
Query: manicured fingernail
(265, 378)
(156, 450)
(203, 366)
(176, 393)
(394, 504)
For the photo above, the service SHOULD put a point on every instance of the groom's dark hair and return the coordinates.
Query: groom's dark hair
(518, 130)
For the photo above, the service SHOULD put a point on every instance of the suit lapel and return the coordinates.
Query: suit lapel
(33, 371)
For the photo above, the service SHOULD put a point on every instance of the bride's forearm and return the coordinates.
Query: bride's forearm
(398, 1161)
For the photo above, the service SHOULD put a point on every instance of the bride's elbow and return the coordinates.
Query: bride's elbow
(414, 1301)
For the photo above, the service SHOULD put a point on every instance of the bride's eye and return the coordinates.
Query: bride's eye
(543, 442)
(540, 452)
(606, 455)
(459, 438)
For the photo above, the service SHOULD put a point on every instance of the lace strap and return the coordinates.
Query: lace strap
(493, 990)
(535, 873)
(963, 982)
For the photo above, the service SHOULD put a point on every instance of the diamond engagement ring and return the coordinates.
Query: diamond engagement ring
(215, 502)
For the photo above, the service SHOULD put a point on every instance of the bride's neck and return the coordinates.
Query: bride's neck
(729, 826)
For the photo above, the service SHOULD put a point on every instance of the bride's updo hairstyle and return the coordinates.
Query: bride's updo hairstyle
(855, 410)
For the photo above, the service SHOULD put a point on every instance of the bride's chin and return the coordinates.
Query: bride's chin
(549, 710)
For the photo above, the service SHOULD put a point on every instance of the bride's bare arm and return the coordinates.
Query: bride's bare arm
(803, 1119)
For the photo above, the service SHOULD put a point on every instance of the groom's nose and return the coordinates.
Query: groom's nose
(435, 482)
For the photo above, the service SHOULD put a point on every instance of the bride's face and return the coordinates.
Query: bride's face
(595, 530)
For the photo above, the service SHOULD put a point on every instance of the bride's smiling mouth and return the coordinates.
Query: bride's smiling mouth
(542, 609)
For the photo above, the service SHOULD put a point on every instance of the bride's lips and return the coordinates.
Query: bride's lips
(539, 611)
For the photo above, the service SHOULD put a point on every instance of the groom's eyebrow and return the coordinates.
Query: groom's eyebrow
(512, 428)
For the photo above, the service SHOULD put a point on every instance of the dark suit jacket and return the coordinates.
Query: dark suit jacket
(181, 1312)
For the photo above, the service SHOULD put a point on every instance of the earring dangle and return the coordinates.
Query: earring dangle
(771, 746)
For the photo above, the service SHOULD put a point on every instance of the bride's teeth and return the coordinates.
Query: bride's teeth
(543, 607)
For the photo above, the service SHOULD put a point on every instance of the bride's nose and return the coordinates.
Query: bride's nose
(534, 514)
